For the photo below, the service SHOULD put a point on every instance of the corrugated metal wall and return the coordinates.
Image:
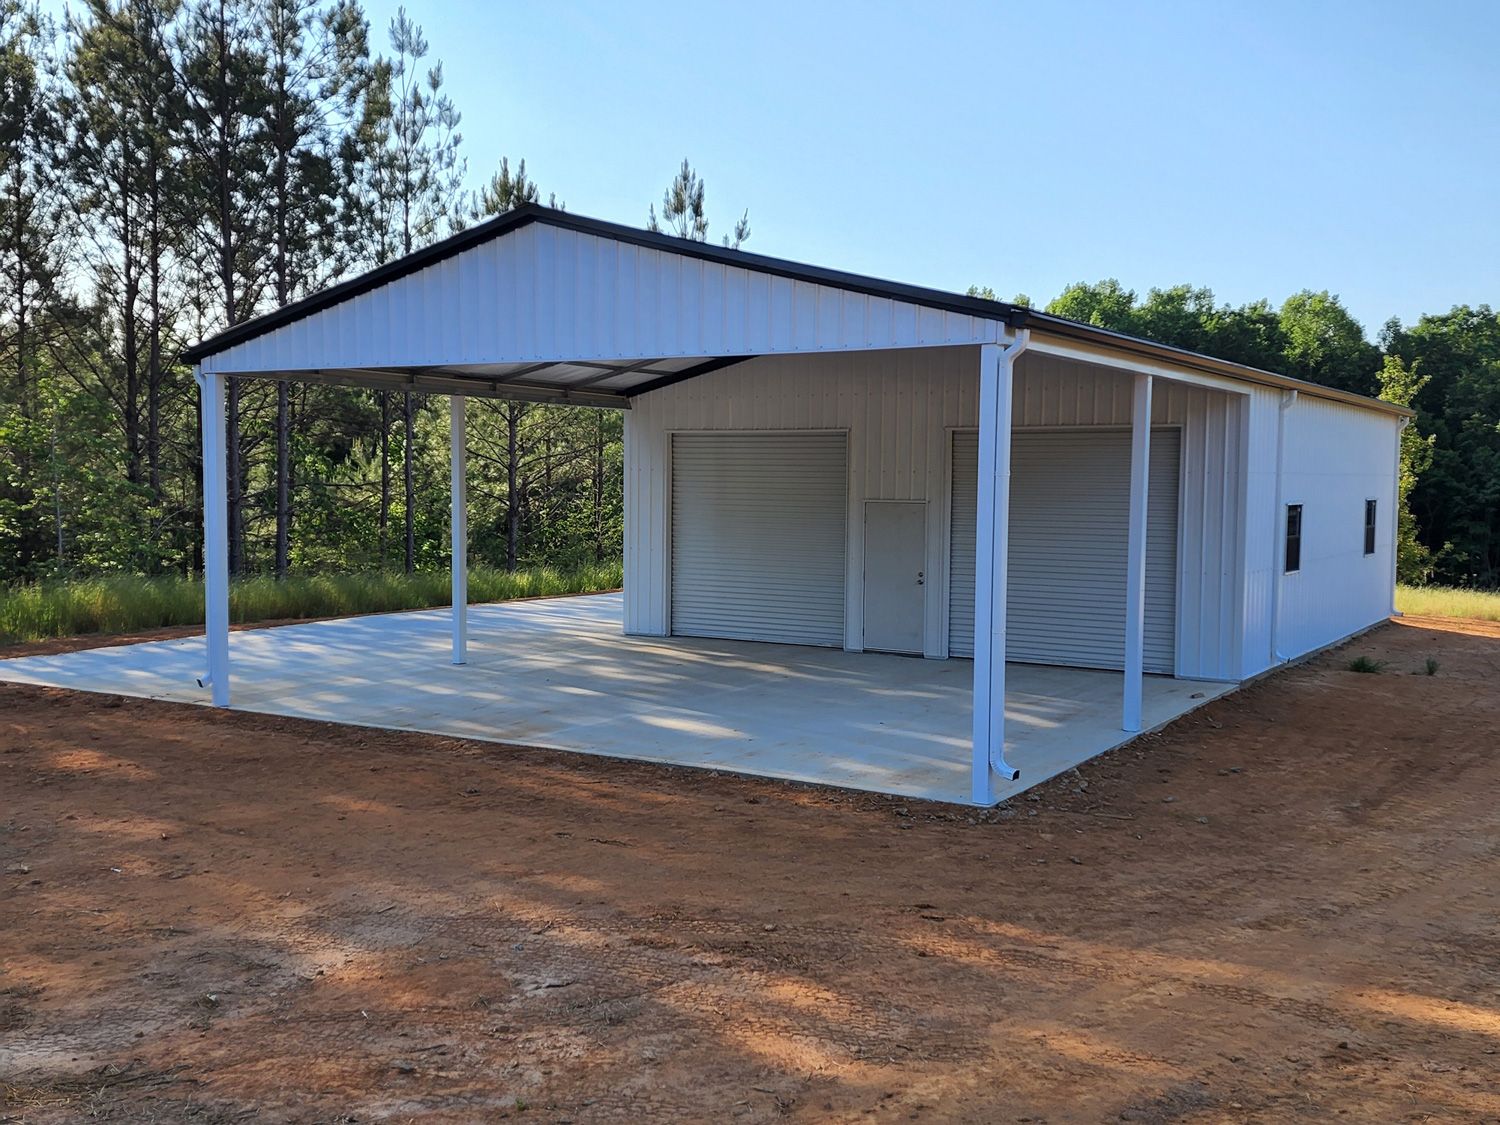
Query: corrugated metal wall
(544, 293)
(899, 408)
(1262, 533)
(1069, 528)
(1051, 391)
(1336, 458)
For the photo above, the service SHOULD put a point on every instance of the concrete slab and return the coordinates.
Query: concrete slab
(559, 673)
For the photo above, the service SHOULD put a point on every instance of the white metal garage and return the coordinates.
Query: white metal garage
(791, 470)
(1068, 539)
(758, 536)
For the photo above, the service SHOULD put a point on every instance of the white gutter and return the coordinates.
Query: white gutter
(1278, 540)
(1008, 356)
(994, 533)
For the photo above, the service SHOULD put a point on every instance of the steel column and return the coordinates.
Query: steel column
(458, 464)
(1135, 563)
(215, 534)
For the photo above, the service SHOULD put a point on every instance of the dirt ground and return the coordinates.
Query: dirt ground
(1284, 907)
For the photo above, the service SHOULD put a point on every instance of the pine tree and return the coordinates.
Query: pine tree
(314, 60)
(31, 233)
(505, 191)
(125, 119)
(224, 81)
(682, 211)
(419, 172)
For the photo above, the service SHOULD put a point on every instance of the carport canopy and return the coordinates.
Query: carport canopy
(544, 306)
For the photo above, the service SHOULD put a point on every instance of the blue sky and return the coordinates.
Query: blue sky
(1255, 148)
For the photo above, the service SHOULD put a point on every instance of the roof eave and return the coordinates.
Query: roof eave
(1205, 364)
(1011, 315)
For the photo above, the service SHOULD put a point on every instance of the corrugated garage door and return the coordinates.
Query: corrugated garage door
(1069, 511)
(758, 536)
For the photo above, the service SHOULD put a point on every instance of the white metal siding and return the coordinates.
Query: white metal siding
(758, 536)
(1337, 457)
(896, 407)
(899, 408)
(1054, 391)
(544, 293)
(961, 550)
(1262, 532)
(1068, 532)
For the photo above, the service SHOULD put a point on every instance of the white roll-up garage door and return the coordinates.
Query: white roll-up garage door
(1069, 523)
(758, 536)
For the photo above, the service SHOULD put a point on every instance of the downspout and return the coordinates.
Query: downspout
(1278, 539)
(1008, 356)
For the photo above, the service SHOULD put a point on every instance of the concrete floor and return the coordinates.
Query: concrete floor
(559, 673)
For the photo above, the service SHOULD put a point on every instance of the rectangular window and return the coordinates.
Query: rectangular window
(1369, 527)
(1293, 538)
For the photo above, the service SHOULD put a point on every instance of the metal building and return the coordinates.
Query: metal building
(817, 458)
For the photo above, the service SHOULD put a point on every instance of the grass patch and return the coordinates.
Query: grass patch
(1448, 601)
(128, 604)
(1365, 664)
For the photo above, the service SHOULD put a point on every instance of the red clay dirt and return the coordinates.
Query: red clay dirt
(1284, 907)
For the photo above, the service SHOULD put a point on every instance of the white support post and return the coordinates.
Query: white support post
(1135, 564)
(215, 534)
(459, 524)
(991, 566)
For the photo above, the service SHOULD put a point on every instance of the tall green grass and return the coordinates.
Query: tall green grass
(1447, 601)
(128, 604)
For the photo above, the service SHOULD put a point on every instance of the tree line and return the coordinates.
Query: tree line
(1446, 367)
(170, 168)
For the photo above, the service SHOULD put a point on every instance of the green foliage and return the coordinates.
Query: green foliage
(1324, 344)
(1430, 667)
(683, 214)
(1445, 367)
(168, 167)
(505, 191)
(1367, 665)
(419, 166)
(130, 603)
(187, 164)
(984, 292)
(1456, 503)
(1401, 385)
(1106, 304)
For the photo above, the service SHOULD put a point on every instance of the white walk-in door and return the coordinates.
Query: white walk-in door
(1069, 523)
(895, 575)
(758, 536)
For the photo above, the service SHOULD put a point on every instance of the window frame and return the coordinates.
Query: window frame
(1372, 521)
(1291, 553)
